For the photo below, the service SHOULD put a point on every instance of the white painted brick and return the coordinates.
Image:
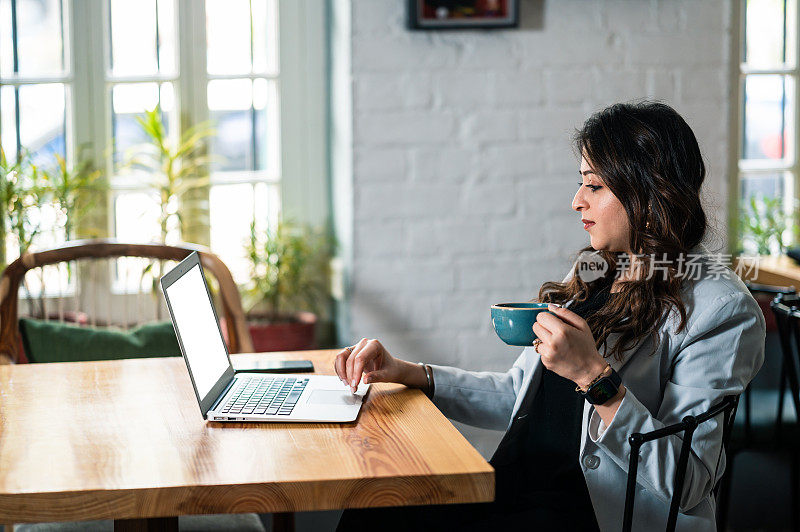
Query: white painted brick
(622, 16)
(468, 311)
(462, 89)
(444, 163)
(587, 49)
(488, 273)
(566, 86)
(449, 238)
(553, 122)
(670, 16)
(378, 17)
(661, 84)
(560, 158)
(513, 159)
(487, 51)
(551, 197)
(489, 199)
(702, 84)
(397, 200)
(702, 49)
(380, 238)
(380, 164)
(490, 126)
(403, 51)
(516, 234)
(403, 127)
(515, 88)
(708, 16)
(572, 19)
(612, 86)
(386, 91)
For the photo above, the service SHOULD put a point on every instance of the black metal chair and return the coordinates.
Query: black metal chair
(762, 423)
(786, 308)
(727, 407)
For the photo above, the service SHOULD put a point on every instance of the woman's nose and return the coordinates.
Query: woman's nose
(578, 202)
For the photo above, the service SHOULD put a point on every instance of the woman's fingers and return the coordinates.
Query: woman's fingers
(369, 353)
(339, 363)
(360, 346)
(541, 332)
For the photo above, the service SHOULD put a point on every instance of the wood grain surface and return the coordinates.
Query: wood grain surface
(777, 270)
(125, 439)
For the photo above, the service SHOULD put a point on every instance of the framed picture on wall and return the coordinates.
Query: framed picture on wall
(461, 14)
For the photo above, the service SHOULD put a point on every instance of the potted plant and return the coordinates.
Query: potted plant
(763, 223)
(289, 282)
(175, 169)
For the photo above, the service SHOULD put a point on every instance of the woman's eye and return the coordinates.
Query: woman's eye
(593, 187)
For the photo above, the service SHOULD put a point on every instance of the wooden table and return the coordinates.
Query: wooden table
(125, 440)
(778, 270)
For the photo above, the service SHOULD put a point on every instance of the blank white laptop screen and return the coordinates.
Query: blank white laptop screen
(197, 326)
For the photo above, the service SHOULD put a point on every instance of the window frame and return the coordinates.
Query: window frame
(742, 167)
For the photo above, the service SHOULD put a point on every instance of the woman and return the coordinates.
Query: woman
(680, 330)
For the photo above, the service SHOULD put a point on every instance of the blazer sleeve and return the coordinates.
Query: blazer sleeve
(483, 399)
(719, 356)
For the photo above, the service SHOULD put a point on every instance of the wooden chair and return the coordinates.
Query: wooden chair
(686, 427)
(105, 249)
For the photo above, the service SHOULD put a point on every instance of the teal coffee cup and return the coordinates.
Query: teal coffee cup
(513, 322)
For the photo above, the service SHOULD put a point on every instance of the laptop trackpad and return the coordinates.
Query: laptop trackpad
(333, 397)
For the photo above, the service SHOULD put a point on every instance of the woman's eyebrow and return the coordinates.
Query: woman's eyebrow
(586, 172)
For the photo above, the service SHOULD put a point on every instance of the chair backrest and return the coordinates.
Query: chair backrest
(726, 407)
(786, 308)
(72, 257)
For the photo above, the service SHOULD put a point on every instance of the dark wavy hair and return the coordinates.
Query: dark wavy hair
(648, 156)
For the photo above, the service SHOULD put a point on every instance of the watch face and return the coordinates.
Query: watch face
(602, 391)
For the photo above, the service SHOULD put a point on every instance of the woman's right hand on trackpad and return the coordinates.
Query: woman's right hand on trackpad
(370, 359)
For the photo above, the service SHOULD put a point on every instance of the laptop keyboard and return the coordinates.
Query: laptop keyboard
(265, 395)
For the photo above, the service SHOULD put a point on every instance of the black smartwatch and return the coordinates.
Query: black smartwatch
(603, 390)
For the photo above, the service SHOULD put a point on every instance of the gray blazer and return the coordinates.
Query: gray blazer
(716, 354)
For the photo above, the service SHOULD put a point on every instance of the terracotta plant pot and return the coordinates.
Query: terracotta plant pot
(289, 333)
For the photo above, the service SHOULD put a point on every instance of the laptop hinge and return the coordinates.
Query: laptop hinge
(222, 395)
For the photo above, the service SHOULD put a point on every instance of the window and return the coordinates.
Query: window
(75, 74)
(768, 89)
(35, 83)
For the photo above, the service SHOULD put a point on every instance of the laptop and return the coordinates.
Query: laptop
(224, 394)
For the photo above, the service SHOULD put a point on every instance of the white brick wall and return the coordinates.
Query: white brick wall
(463, 169)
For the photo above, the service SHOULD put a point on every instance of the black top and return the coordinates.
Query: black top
(536, 463)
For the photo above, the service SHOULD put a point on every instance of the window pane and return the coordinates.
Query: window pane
(265, 106)
(8, 113)
(265, 36)
(230, 227)
(229, 105)
(167, 40)
(769, 104)
(777, 185)
(228, 36)
(133, 37)
(42, 128)
(6, 53)
(136, 217)
(765, 43)
(131, 100)
(40, 47)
